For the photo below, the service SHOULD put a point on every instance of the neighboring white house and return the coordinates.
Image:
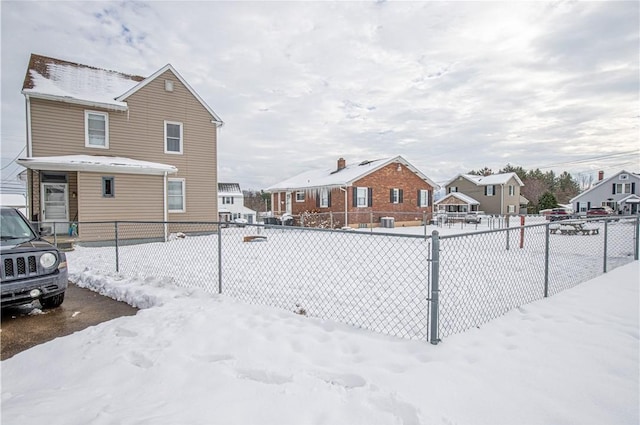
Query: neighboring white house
(231, 204)
(620, 192)
(15, 200)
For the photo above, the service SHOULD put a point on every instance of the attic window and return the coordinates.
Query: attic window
(168, 85)
(624, 177)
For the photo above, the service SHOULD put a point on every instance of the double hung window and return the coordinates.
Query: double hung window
(96, 129)
(176, 195)
(173, 137)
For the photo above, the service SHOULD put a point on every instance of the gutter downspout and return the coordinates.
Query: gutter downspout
(29, 148)
(346, 206)
(164, 204)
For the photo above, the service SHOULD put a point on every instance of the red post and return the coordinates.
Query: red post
(521, 231)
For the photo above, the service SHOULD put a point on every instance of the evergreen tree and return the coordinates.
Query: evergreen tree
(566, 188)
(486, 171)
(520, 172)
(547, 200)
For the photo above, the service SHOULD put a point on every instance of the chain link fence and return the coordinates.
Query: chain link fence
(425, 286)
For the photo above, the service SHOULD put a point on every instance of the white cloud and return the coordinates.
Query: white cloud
(453, 86)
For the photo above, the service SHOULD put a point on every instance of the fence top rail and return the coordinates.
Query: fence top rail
(484, 232)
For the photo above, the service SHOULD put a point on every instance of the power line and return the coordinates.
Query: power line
(12, 161)
(583, 160)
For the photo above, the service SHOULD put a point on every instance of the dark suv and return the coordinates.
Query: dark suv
(32, 268)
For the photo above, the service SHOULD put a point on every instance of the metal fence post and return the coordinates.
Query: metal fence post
(219, 259)
(604, 261)
(546, 260)
(636, 244)
(115, 225)
(55, 235)
(435, 289)
(506, 222)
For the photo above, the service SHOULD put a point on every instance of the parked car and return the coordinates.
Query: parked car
(473, 217)
(439, 217)
(556, 214)
(240, 222)
(603, 211)
(31, 269)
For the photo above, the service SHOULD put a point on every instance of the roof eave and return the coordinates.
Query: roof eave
(75, 101)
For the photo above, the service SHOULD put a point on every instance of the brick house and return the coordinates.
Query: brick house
(104, 146)
(360, 193)
(492, 194)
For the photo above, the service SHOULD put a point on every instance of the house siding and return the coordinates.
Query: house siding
(58, 129)
(496, 204)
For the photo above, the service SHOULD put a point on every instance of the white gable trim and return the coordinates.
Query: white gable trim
(459, 195)
(168, 67)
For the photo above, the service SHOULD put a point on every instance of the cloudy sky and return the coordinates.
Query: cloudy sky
(451, 86)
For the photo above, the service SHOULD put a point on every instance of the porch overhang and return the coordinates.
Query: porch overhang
(96, 164)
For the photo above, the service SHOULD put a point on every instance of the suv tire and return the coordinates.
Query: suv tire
(52, 302)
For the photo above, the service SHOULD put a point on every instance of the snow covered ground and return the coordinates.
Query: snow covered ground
(193, 358)
(379, 282)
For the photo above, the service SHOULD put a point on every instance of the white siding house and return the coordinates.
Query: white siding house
(231, 204)
(620, 192)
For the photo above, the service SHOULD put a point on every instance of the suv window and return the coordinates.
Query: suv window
(13, 228)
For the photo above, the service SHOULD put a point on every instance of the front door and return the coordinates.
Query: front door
(55, 207)
(288, 200)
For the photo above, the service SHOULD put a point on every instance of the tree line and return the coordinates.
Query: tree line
(543, 190)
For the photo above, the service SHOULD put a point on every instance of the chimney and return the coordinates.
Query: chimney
(341, 164)
(600, 175)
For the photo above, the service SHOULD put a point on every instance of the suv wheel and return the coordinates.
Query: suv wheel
(52, 302)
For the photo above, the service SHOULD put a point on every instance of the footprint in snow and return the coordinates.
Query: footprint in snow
(212, 358)
(347, 380)
(139, 359)
(263, 376)
(126, 333)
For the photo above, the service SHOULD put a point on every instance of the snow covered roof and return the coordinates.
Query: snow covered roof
(331, 177)
(631, 199)
(229, 189)
(91, 163)
(56, 79)
(489, 180)
(461, 196)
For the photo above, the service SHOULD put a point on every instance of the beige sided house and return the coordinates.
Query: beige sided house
(493, 194)
(106, 146)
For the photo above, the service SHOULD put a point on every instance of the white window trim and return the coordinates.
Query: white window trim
(86, 129)
(366, 195)
(324, 198)
(298, 196)
(424, 198)
(184, 195)
(396, 195)
(492, 191)
(181, 137)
